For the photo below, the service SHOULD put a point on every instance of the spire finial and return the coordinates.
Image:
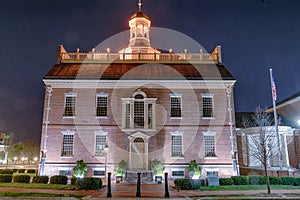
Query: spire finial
(140, 5)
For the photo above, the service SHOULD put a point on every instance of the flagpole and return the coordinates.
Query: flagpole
(273, 89)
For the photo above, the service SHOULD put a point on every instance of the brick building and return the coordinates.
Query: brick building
(138, 105)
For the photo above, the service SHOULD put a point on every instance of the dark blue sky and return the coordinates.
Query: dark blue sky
(255, 35)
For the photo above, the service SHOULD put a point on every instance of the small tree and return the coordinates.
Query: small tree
(120, 169)
(262, 141)
(194, 169)
(80, 169)
(157, 167)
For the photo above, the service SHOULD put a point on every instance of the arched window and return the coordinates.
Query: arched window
(139, 111)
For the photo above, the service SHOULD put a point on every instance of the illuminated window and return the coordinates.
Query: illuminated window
(100, 142)
(101, 105)
(70, 101)
(209, 145)
(176, 144)
(207, 105)
(68, 144)
(175, 105)
(139, 111)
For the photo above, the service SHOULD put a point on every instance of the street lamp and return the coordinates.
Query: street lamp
(106, 148)
(15, 160)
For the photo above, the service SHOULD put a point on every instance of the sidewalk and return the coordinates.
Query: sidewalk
(152, 191)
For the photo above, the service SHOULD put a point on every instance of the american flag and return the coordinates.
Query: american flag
(274, 88)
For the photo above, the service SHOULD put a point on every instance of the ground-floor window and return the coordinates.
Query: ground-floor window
(99, 173)
(65, 172)
(212, 173)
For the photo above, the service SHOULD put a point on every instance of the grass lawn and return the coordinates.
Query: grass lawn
(33, 194)
(249, 187)
(37, 185)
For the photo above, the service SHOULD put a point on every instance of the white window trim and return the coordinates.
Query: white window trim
(177, 169)
(210, 133)
(208, 95)
(99, 133)
(177, 133)
(146, 102)
(101, 94)
(69, 94)
(99, 169)
(176, 95)
(68, 132)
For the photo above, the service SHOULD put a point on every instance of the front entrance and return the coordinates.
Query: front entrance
(138, 153)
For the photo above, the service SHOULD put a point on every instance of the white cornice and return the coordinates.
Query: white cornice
(112, 84)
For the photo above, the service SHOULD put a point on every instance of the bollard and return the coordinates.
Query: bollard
(138, 185)
(166, 186)
(109, 185)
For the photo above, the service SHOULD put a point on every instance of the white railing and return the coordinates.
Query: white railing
(93, 56)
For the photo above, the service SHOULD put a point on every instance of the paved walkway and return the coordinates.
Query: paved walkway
(128, 191)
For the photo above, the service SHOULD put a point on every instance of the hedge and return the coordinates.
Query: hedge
(31, 171)
(22, 179)
(288, 180)
(59, 179)
(240, 180)
(73, 180)
(6, 171)
(6, 178)
(256, 180)
(21, 171)
(297, 181)
(225, 181)
(89, 183)
(274, 180)
(188, 184)
(40, 179)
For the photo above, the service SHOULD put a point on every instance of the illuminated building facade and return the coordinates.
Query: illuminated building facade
(139, 104)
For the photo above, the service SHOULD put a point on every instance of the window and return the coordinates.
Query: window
(99, 173)
(209, 145)
(101, 105)
(176, 144)
(68, 144)
(139, 111)
(212, 173)
(207, 105)
(70, 101)
(100, 144)
(177, 173)
(65, 172)
(175, 105)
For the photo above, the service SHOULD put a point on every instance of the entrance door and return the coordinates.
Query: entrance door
(138, 153)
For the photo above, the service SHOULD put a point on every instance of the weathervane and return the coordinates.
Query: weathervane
(140, 5)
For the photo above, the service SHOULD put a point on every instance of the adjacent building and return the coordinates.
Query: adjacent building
(139, 104)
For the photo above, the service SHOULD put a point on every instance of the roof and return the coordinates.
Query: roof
(139, 14)
(137, 71)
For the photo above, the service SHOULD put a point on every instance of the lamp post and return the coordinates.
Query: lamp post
(106, 148)
(15, 160)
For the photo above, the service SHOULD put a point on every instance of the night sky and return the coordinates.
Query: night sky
(255, 35)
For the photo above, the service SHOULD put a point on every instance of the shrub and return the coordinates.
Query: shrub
(274, 180)
(73, 180)
(156, 166)
(6, 171)
(22, 179)
(89, 183)
(6, 178)
(31, 171)
(40, 179)
(254, 180)
(226, 181)
(240, 180)
(120, 169)
(21, 171)
(80, 169)
(194, 169)
(288, 180)
(59, 179)
(297, 181)
(188, 184)
(15, 170)
(262, 180)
